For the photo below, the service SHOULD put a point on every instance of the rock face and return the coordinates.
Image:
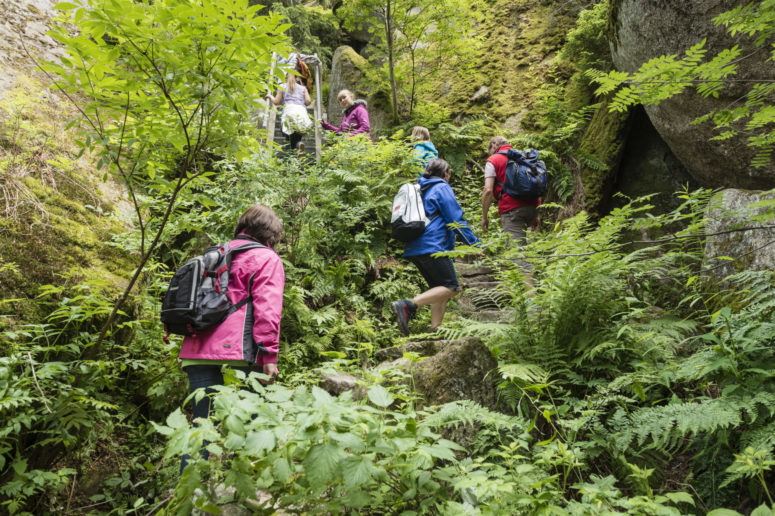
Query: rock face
(754, 249)
(645, 29)
(348, 71)
(25, 21)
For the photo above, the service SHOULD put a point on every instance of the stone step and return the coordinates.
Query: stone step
(423, 348)
(501, 316)
(468, 270)
(481, 285)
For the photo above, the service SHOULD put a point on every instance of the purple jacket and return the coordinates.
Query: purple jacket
(355, 120)
(235, 338)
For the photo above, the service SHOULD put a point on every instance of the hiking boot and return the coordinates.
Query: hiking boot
(404, 310)
(300, 146)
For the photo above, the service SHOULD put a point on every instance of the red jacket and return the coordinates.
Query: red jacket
(236, 338)
(506, 203)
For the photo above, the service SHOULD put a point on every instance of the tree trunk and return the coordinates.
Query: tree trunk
(389, 40)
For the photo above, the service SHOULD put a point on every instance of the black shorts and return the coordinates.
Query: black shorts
(438, 272)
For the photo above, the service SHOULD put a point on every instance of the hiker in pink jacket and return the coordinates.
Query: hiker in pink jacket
(356, 118)
(248, 340)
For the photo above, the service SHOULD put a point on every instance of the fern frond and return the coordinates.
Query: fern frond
(523, 372)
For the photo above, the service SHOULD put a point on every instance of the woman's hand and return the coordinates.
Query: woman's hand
(272, 371)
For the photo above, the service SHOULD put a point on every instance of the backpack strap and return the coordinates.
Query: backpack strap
(253, 244)
(423, 191)
(247, 298)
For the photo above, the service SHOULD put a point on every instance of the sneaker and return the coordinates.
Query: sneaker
(404, 310)
(300, 146)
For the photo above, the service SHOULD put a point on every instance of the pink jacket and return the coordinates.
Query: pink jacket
(355, 120)
(254, 326)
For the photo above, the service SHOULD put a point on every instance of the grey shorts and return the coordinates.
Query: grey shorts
(516, 222)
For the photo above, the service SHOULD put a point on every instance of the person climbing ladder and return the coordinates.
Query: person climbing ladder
(295, 120)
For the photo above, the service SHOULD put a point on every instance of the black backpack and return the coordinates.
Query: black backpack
(196, 298)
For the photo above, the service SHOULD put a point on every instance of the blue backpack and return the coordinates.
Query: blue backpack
(525, 175)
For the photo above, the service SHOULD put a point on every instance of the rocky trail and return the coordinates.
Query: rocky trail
(448, 370)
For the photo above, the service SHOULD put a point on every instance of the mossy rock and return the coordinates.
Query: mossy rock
(516, 58)
(604, 140)
(460, 370)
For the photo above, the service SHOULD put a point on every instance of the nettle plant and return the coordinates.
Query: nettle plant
(303, 450)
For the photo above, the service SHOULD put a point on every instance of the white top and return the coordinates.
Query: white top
(489, 170)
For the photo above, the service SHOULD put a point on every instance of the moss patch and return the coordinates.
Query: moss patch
(55, 225)
(521, 40)
(604, 140)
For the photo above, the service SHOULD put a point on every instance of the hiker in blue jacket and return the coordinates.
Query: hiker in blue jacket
(443, 210)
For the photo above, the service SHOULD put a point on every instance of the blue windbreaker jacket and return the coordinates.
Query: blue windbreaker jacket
(424, 152)
(442, 208)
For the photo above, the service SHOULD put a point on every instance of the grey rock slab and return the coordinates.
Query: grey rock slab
(336, 384)
(752, 249)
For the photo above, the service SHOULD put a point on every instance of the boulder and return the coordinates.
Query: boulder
(336, 384)
(752, 249)
(644, 29)
(460, 370)
(348, 72)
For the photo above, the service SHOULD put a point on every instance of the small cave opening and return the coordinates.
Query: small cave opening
(648, 166)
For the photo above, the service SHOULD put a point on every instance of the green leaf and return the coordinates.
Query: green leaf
(233, 441)
(320, 463)
(762, 510)
(723, 512)
(177, 419)
(357, 469)
(680, 497)
(258, 442)
(380, 396)
(281, 470)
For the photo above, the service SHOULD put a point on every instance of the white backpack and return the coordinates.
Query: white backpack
(408, 220)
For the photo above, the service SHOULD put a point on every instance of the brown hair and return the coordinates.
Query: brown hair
(261, 223)
(436, 168)
(496, 142)
(420, 133)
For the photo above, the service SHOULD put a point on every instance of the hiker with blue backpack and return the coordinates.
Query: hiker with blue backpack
(443, 223)
(517, 180)
(228, 304)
